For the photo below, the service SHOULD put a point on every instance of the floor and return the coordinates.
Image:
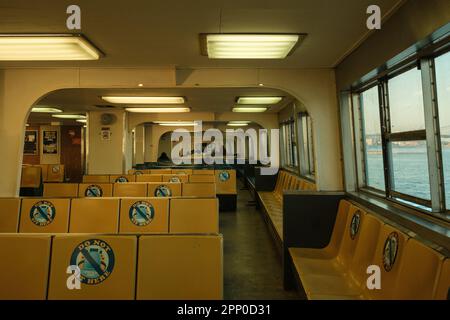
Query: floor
(252, 265)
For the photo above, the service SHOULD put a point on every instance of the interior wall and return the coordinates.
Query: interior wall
(46, 158)
(139, 144)
(33, 159)
(413, 21)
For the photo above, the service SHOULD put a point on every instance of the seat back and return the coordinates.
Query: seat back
(199, 190)
(144, 215)
(131, 189)
(180, 267)
(31, 177)
(175, 178)
(96, 178)
(225, 181)
(161, 171)
(339, 227)
(443, 284)
(182, 171)
(24, 271)
(203, 171)
(107, 265)
(164, 189)
(388, 254)
(55, 173)
(194, 215)
(419, 269)
(44, 215)
(149, 178)
(55, 190)
(202, 178)
(9, 214)
(91, 215)
(95, 190)
(121, 178)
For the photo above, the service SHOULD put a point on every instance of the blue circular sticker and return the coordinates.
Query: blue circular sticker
(224, 176)
(162, 191)
(141, 213)
(42, 213)
(390, 251)
(93, 191)
(121, 179)
(175, 179)
(354, 224)
(95, 258)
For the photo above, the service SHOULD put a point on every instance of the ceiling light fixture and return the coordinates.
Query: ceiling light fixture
(236, 124)
(249, 109)
(46, 47)
(68, 116)
(144, 100)
(259, 100)
(249, 46)
(41, 109)
(158, 110)
(175, 123)
(82, 120)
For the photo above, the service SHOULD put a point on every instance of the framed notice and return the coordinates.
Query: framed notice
(31, 142)
(50, 142)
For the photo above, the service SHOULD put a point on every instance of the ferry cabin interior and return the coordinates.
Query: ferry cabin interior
(353, 116)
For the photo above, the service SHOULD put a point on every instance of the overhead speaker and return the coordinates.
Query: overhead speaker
(108, 119)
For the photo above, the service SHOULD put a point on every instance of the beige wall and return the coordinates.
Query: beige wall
(139, 144)
(414, 21)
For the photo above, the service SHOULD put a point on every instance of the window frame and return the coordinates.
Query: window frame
(436, 206)
(307, 163)
(288, 141)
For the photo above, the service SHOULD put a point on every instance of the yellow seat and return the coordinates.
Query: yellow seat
(94, 190)
(225, 181)
(107, 265)
(202, 178)
(182, 171)
(443, 284)
(175, 178)
(55, 173)
(31, 177)
(203, 171)
(164, 189)
(9, 214)
(144, 215)
(121, 178)
(44, 215)
(96, 178)
(419, 269)
(91, 215)
(388, 256)
(194, 215)
(161, 171)
(199, 190)
(25, 265)
(132, 189)
(55, 190)
(180, 267)
(149, 178)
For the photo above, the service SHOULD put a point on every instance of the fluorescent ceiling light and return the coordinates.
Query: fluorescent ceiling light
(158, 110)
(239, 121)
(82, 120)
(68, 116)
(259, 100)
(175, 123)
(144, 100)
(45, 110)
(249, 109)
(35, 47)
(250, 46)
(237, 124)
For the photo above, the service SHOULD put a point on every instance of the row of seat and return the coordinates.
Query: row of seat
(109, 215)
(172, 171)
(131, 189)
(34, 175)
(224, 179)
(409, 268)
(111, 267)
(272, 201)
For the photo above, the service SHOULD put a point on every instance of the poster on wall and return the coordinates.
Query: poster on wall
(31, 139)
(50, 142)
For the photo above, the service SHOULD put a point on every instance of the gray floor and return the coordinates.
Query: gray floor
(252, 266)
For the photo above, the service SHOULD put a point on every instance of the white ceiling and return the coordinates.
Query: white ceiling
(139, 33)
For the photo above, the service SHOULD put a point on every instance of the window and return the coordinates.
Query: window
(290, 158)
(371, 133)
(406, 137)
(442, 66)
(305, 134)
